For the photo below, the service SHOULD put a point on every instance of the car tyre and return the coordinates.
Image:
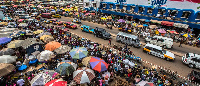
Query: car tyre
(149, 53)
(167, 59)
(191, 65)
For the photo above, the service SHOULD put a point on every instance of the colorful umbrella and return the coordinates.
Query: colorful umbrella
(86, 61)
(83, 75)
(56, 82)
(161, 31)
(140, 25)
(65, 69)
(44, 33)
(187, 35)
(6, 68)
(23, 67)
(45, 36)
(45, 55)
(5, 40)
(38, 31)
(153, 26)
(121, 20)
(98, 64)
(145, 25)
(7, 59)
(7, 18)
(78, 53)
(43, 77)
(7, 51)
(52, 45)
(67, 61)
(62, 49)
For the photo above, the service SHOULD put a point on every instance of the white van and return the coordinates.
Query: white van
(192, 60)
(129, 39)
(19, 13)
(160, 41)
(158, 51)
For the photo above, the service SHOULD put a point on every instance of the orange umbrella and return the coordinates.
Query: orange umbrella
(52, 45)
(140, 25)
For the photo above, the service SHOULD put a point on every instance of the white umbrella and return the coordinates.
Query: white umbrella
(45, 55)
(126, 61)
(7, 59)
(23, 25)
(62, 49)
(43, 77)
(83, 75)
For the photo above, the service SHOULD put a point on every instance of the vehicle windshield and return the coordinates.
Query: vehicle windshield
(164, 51)
(71, 24)
(137, 40)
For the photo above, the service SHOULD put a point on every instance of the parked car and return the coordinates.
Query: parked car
(56, 16)
(46, 15)
(86, 28)
(52, 20)
(100, 32)
(73, 26)
(66, 24)
(59, 23)
(75, 20)
(192, 60)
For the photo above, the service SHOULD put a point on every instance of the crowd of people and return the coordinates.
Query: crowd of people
(119, 59)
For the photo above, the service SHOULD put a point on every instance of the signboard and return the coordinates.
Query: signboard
(179, 4)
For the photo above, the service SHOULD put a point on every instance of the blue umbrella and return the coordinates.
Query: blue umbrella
(32, 62)
(147, 20)
(23, 67)
(7, 18)
(145, 25)
(78, 53)
(5, 40)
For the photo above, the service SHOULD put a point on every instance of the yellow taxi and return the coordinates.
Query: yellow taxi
(56, 16)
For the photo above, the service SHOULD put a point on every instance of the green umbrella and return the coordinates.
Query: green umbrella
(78, 53)
(65, 69)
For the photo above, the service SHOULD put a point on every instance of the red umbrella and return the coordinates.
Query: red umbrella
(98, 64)
(56, 82)
(15, 6)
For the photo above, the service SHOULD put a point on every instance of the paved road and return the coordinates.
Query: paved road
(176, 65)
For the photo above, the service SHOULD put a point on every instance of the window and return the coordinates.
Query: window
(147, 47)
(111, 6)
(162, 40)
(173, 13)
(141, 9)
(150, 10)
(87, 4)
(132, 8)
(194, 59)
(186, 14)
(198, 16)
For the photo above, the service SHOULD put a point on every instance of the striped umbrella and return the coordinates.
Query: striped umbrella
(78, 53)
(83, 75)
(98, 64)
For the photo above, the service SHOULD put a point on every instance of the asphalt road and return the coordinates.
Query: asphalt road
(176, 65)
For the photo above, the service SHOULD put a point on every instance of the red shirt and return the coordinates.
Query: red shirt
(129, 74)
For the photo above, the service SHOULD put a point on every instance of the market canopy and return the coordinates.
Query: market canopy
(161, 31)
(6, 69)
(166, 23)
(180, 25)
(5, 40)
(121, 20)
(153, 26)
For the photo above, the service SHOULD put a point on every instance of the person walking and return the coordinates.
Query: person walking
(109, 42)
(181, 42)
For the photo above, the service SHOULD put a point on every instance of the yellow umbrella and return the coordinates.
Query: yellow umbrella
(109, 17)
(44, 37)
(103, 18)
(86, 60)
(38, 31)
(14, 44)
(140, 25)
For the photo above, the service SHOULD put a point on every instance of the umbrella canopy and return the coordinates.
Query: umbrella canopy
(30, 41)
(142, 19)
(38, 31)
(15, 6)
(153, 26)
(187, 35)
(65, 69)
(45, 55)
(23, 25)
(86, 61)
(5, 40)
(173, 31)
(7, 59)
(56, 82)
(44, 33)
(83, 75)
(121, 20)
(66, 61)
(126, 61)
(161, 31)
(7, 18)
(6, 69)
(98, 64)
(145, 83)
(103, 18)
(145, 25)
(45, 36)
(62, 49)
(147, 20)
(14, 44)
(7, 51)
(140, 25)
(78, 53)
(52, 45)
(43, 77)
(47, 40)
(128, 21)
